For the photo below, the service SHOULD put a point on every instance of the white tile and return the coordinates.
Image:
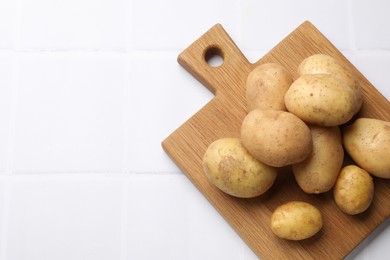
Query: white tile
(70, 113)
(174, 221)
(375, 246)
(378, 245)
(175, 24)
(162, 96)
(7, 24)
(266, 23)
(208, 227)
(64, 218)
(253, 55)
(157, 223)
(374, 65)
(371, 24)
(72, 24)
(6, 81)
(358, 254)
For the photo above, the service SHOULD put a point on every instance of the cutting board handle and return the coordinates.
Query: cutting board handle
(223, 78)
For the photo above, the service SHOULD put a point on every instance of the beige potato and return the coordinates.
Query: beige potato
(367, 141)
(325, 64)
(230, 167)
(319, 171)
(266, 86)
(321, 99)
(354, 190)
(276, 138)
(296, 220)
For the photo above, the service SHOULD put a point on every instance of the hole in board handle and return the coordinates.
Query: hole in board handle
(214, 56)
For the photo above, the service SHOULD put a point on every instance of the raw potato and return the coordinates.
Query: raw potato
(276, 138)
(325, 64)
(321, 99)
(230, 167)
(354, 190)
(318, 173)
(296, 220)
(266, 86)
(367, 141)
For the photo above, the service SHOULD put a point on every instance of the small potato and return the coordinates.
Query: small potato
(276, 138)
(266, 86)
(325, 64)
(321, 99)
(354, 190)
(367, 141)
(230, 167)
(296, 220)
(318, 172)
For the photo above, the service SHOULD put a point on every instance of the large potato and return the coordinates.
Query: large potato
(230, 167)
(296, 220)
(318, 172)
(321, 99)
(354, 190)
(275, 137)
(325, 64)
(367, 141)
(266, 86)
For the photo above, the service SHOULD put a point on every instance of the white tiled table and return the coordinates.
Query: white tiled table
(89, 89)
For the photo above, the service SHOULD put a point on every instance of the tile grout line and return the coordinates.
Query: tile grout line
(17, 21)
(12, 116)
(129, 25)
(126, 108)
(11, 135)
(240, 20)
(14, 90)
(101, 52)
(124, 219)
(5, 221)
(125, 184)
(351, 27)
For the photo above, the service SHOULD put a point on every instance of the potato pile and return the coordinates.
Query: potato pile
(306, 124)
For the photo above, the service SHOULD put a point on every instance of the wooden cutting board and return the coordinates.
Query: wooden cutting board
(222, 117)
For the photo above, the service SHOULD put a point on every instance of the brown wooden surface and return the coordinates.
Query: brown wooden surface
(222, 117)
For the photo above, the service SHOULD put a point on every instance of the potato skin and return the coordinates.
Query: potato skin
(230, 167)
(325, 64)
(296, 220)
(266, 86)
(354, 190)
(321, 99)
(367, 141)
(276, 138)
(319, 171)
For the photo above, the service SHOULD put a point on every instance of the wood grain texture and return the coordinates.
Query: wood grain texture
(222, 117)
